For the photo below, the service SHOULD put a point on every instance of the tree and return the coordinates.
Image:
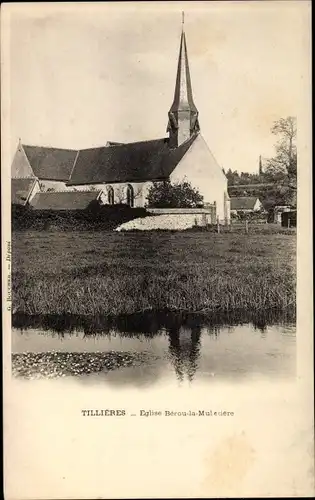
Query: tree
(232, 177)
(282, 168)
(284, 164)
(178, 195)
(276, 181)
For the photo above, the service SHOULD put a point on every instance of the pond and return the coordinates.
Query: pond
(145, 348)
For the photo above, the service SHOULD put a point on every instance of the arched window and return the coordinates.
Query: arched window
(130, 195)
(110, 195)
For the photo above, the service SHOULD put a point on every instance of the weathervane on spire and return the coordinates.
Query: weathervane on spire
(183, 115)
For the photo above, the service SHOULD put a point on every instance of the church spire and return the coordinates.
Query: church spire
(260, 166)
(183, 114)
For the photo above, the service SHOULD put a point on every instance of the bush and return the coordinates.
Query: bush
(95, 217)
(178, 195)
(251, 216)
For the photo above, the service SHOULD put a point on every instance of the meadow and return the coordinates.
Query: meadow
(109, 273)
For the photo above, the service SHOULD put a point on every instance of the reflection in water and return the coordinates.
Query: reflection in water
(148, 346)
(184, 350)
(150, 323)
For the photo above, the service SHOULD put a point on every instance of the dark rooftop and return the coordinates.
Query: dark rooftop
(136, 161)
(115, 162)
(51, 163)
(64, 200)
(243, 202)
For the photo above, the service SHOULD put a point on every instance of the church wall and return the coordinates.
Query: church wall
(200, 168)
(103, 198)
(140, 190)
(46, 185)
(35, 189)
(21, 168)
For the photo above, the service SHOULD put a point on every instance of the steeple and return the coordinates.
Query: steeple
(183, 114)
(260, 166)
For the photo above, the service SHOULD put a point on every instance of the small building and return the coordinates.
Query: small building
(67, 200)
(288, 219)
(245, 205)
(278, 211)
(23, 190)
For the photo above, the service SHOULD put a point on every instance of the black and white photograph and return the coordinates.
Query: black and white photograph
(153, 156)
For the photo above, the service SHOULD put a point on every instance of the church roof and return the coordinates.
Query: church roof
(64, 200)
(133, 162)
(21, 190)
(243, 202)
(50, 163)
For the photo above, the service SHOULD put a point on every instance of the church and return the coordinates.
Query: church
(124, 172)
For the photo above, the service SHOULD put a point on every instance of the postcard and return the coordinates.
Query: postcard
(156, 250)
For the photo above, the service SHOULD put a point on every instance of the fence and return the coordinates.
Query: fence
(251, 227)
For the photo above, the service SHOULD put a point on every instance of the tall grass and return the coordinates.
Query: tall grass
(108, 273)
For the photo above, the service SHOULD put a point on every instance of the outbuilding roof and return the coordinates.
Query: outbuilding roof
(64, 200)
(243, 202)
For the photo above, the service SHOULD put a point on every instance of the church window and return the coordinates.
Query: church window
(130, 195)
(110, 195)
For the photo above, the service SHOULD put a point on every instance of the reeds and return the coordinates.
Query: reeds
(114, 274)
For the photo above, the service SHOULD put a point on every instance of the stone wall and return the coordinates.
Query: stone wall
(203, 216)
(171, 219)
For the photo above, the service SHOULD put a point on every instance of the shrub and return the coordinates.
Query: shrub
(178, 195)
(95, 217)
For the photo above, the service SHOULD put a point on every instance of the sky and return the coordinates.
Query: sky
(83, 74)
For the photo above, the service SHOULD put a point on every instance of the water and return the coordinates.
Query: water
(244, 365)
(145, 349)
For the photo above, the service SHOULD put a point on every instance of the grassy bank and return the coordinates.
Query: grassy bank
(93, 273)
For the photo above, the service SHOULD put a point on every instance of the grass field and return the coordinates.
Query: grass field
(88, 273)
